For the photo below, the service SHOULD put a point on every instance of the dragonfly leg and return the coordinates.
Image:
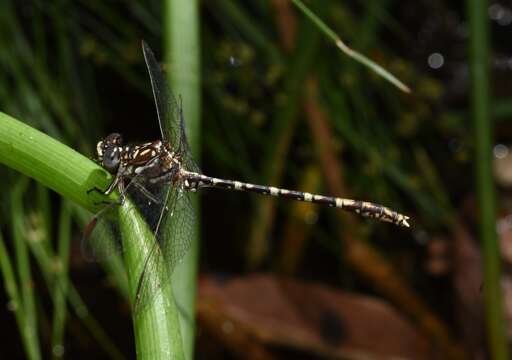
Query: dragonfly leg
(96, 189)
(118, 181)
(146, 193)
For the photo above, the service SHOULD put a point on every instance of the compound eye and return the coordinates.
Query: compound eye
(111, 159)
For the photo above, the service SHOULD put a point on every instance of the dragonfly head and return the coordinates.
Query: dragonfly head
(109, 152)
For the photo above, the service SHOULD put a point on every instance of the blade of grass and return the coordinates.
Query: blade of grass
(483, 127)
(29, 328)
(61, 286)
(162, 341)
(12, 290)
(379, 70)
(50, 162)
(183, 56)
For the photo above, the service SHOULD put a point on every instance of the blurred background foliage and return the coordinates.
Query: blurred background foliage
(281, 106)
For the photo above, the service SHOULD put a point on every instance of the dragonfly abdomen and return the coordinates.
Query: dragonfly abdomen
(364, 208)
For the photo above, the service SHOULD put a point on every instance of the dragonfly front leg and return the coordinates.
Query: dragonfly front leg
(110, 188)
(116, 182)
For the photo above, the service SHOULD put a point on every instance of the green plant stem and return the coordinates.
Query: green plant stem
(182, 47)
(162, 341)
(51, 163)
(483, 127)
(29, 327)
(11, 288)
(70, 174)
(61, 285)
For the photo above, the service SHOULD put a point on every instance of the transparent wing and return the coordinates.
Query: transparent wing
(188, 161)
(170, 114)
(177, 230)
(166, 104)
(174, 234)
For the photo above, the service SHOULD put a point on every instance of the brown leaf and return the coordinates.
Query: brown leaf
(308, 317)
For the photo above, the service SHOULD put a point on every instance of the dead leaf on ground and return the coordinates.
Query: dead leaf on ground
(308, 317)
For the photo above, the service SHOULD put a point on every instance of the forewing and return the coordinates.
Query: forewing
(177, 230)
(188, 161)
(166, 104)
(170, 114)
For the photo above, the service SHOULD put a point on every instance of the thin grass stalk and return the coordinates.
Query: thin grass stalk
(28, 301)
(483, 128)
(182, 48)
(156, 325)
(326, 30)
(43, 205)
(12, 290)
(61, 285)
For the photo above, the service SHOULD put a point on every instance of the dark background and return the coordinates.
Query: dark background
(315, 282)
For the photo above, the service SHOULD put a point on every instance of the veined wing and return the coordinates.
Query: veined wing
(170, 219)
(166, 104)
(170, 112)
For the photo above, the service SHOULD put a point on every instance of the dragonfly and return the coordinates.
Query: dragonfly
(159, 175)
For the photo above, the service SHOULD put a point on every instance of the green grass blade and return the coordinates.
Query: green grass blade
(51, 163)
(28, 302)
(61, 286)
(157, 326)
(379, 70)
(12, 289)
(483, 127)
(181, 36)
